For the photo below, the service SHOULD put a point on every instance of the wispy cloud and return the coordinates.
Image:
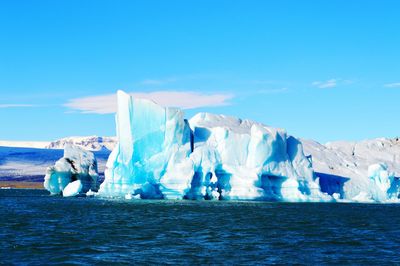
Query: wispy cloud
(331, 83)
(106, 104)
(16, 105)
(393, 85)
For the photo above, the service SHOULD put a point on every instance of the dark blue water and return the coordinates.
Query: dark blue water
(39, 229)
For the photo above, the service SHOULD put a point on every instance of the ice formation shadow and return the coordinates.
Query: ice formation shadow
(272, 186)
(332, 184)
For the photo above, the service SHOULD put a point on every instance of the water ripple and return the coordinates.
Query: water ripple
(39, 229)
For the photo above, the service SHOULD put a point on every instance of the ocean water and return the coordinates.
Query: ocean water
(38, 229)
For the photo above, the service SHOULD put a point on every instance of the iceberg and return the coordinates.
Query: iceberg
(74, 173)
(161, 155)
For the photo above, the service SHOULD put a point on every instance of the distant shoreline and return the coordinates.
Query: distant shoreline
(21, 184)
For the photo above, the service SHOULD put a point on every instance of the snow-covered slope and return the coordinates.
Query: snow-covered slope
(91, 143)
(351, 159)
(25, 144)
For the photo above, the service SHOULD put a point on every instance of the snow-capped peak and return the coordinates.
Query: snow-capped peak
(91, 143)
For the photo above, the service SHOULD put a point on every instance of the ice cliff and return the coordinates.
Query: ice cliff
(161, 155)
(74, 173)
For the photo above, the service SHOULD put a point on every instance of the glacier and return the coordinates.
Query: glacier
(161, 155)
(75, 173)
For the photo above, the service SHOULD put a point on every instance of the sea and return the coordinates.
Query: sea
(39, 229)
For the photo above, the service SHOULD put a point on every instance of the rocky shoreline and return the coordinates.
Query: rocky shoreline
(21, 185)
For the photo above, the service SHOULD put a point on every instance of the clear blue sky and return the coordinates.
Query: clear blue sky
(325, 70)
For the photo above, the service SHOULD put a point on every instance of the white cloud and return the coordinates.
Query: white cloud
(325, 84)
(13, 105)
(393, 85)
(106, 104)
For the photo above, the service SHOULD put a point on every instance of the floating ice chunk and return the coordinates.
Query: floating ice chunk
(77, 164)
(91, 193)
(72, 189)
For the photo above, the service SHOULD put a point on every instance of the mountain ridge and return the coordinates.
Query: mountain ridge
(91, 143)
